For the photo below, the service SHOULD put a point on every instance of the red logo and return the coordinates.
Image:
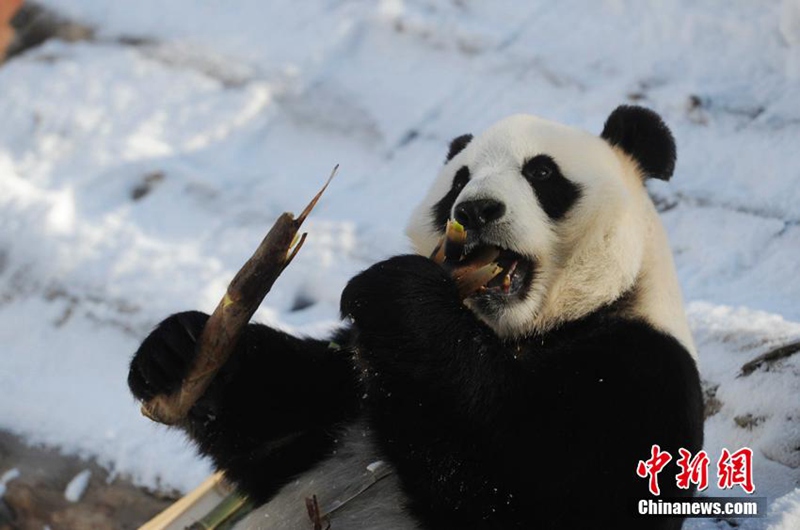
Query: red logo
(732, 469)
(736, 468)
(693, 470)
(651, 468)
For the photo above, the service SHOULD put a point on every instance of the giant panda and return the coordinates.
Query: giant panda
(527, 406)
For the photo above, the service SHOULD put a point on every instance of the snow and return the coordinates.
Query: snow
(231, 113)
(7, 477)
(374, 466)
(77, 486)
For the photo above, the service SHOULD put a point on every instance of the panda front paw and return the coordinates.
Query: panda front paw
(392, 294)
(164, 357)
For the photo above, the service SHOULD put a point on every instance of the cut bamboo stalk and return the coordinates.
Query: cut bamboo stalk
(470, 277)
(223, 328)
(182, 505)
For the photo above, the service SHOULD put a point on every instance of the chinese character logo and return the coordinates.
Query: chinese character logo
(732, 469)
(736, 468)
(693, 470)
(652, 467)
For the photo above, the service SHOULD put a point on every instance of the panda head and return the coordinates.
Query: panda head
(571, 216)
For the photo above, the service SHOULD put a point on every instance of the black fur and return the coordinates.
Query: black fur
(477, 213)
(556, 194)
(271, 413)
(643, 135)
(441, 210)
(545, 432)
(457, 145)
(484, 434)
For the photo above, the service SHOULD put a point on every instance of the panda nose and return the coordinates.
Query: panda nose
(478, 213)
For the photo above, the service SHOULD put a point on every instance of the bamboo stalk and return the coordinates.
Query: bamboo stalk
(182, 505)
(469, 277)
(244, 294)
(225, 514)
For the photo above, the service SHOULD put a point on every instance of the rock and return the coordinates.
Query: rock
(36, 497)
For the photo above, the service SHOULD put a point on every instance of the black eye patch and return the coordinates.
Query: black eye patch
(458, 145)
(556, 194)
(441, 210)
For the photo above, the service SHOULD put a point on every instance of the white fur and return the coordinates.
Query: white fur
(610, 241)
(334, 480)
(659, 294)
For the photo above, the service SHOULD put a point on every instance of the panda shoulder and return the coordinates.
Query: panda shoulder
(628, 347)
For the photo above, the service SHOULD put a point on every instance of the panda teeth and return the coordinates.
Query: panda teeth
(514, 269)
(507, 278)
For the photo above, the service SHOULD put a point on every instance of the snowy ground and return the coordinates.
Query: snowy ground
(136, 178)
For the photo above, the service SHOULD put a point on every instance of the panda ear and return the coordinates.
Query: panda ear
(643, 135)
(458, 145)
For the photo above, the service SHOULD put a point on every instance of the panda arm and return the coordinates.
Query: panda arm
(479, 430)
(270, 413)
(602, 392)
(438, 382)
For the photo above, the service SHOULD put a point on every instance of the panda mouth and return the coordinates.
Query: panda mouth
(514, 278)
